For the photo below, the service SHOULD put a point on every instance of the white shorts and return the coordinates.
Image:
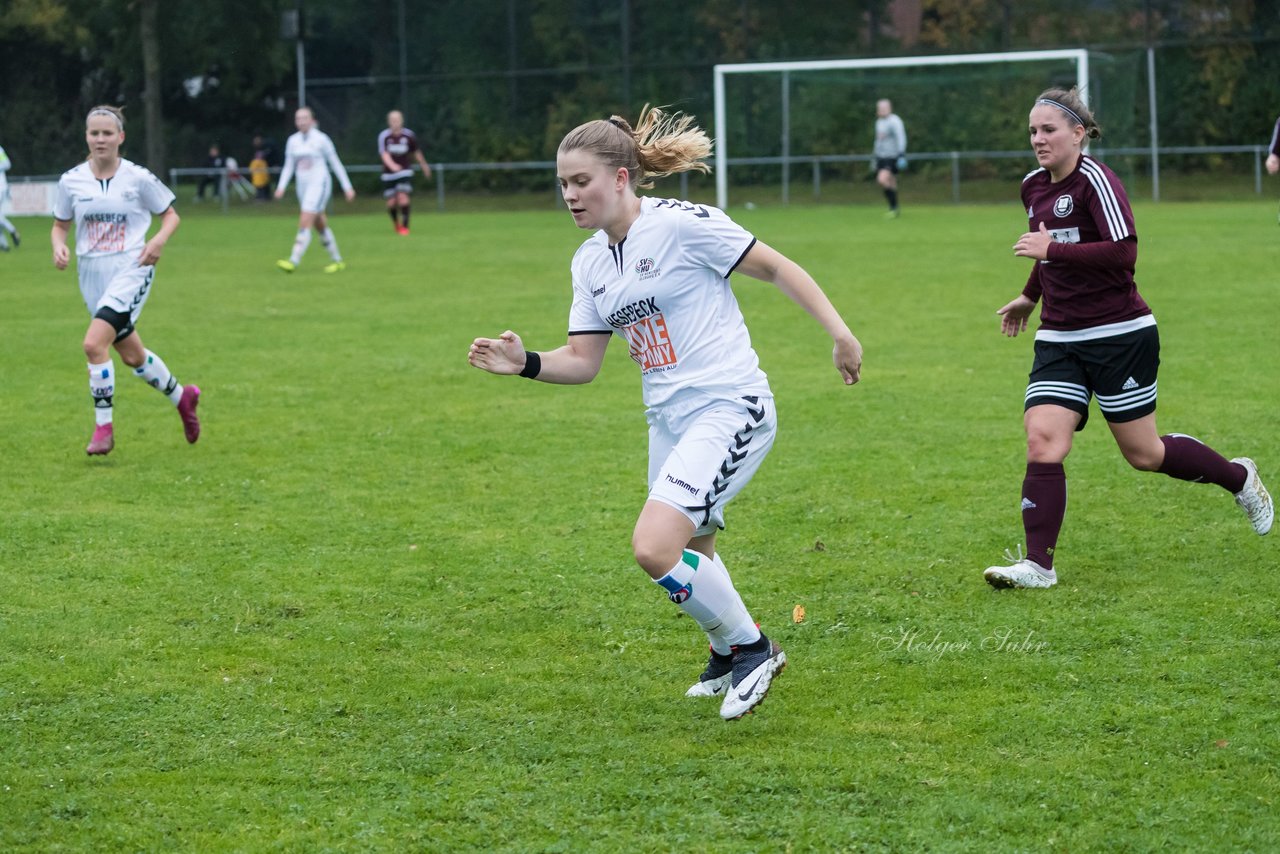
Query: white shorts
(698, 461)
(313, 196)
(115, 282)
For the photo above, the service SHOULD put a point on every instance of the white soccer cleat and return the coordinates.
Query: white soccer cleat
(1021, 572)
(1254, 499)
(753, 672)
(715, 679)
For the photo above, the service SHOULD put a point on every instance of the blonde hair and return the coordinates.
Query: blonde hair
(662, 144)
(116, 113)
(1071, 105)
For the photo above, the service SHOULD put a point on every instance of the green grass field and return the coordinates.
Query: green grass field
(387, 602)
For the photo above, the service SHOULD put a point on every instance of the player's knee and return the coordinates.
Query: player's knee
(653, 557)
(1146, 458)
(131, 358)
(1044, 447)
(94, 350)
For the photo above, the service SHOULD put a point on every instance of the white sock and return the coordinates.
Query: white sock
(300, 244)
(704, 591)
(331, 243)
(155, 373)
(102, 385)
(7, 225)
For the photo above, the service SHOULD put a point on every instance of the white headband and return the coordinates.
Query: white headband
(1070, 112)
(102, 112)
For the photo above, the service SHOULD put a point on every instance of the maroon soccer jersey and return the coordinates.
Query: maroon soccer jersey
(1081, 288)
(401, 147)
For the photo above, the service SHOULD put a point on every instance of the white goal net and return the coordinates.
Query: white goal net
(768, 113)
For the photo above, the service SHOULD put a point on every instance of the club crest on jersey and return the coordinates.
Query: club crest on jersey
(1064, 205)
(645, 269)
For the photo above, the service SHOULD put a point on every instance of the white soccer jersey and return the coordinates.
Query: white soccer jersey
(112, 215)
(305, 158)
(665, 290)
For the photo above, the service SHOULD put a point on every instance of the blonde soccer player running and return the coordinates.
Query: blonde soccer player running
(655, 272)
(111, 201)
(308, 156)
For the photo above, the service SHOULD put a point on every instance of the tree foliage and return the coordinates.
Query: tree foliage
(504, 79)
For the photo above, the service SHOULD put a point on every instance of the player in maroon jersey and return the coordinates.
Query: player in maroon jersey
(397, 147)
(1097, 337)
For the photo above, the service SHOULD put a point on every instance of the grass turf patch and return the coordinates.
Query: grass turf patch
(387, 601)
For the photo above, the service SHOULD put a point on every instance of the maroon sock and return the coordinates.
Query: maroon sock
(1187, 458)
(1044, 505)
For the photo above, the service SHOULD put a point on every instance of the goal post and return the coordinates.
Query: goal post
(1078, 56)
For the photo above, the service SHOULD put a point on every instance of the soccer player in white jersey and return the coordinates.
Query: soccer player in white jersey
(1097, 337)
(655, 272)
(111, 201)
(308, 156)
(7, 229)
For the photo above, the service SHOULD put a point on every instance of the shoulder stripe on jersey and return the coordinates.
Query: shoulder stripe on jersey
(1107, 197)
(740, 257)
(590, 331)
(1032, 174)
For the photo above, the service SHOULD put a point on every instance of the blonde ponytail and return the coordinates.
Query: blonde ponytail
(663, 144)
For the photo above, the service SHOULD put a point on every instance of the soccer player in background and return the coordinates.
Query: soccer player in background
(1273, 154)
(397, 146)
(7, 229)
(111, 201)
(1097, 336)
(309, 155)
(217, 166)
(655, 272)
(889, 150)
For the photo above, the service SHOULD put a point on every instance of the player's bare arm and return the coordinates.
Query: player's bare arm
(576, 362)
(769, 265)
(169, 221)
(58, 236)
